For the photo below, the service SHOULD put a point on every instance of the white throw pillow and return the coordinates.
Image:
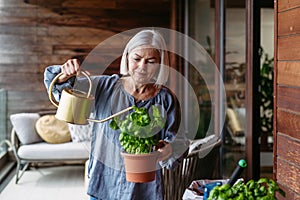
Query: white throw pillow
(80, 133)
(24, 124)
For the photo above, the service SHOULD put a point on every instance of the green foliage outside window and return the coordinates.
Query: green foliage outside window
(266, 93)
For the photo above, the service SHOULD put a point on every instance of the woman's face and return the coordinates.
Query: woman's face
(143, 64)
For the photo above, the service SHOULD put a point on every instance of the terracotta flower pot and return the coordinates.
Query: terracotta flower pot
(140, 168)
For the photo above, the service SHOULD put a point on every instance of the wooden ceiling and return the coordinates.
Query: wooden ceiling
(112, 15)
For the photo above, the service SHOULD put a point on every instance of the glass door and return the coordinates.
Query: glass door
(203, 17)
(230, 33)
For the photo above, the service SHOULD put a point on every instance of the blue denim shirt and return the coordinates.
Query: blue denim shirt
(106, 173)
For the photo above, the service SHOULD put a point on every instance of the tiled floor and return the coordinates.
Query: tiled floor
(59, 183)
(48, 183)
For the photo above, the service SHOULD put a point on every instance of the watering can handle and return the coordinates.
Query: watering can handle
(55, 103)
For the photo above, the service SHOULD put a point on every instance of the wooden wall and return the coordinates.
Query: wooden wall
(287, 96)
(38, 33)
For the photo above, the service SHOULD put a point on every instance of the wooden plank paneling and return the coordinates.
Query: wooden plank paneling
(8, 29)
(81, 32)
(289, 48)
(288, 122)
(119, 16)
(25, 68)
(18, 21)
(22, 81)
(288, 73)
(105, 14)
(289, 149)
(19, 11)
(112, 5)
(288, 98)
(28, 101)
(16, 40)
(18, 59)
(25, 49)
(104, 4)
(289, 193)
(13, 3)
(289, 23)
(37, 33)
(287, 4)
(288, 175)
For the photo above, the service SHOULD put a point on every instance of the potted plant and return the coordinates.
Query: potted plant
(138, 139)
(263, 188)
(236, 188)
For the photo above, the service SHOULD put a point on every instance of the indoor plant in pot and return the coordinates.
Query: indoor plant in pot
(262, 189)
(138, 139)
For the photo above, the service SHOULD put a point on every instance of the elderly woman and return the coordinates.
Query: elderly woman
(143, 72)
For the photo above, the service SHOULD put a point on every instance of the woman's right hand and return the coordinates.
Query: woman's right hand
(69, 68)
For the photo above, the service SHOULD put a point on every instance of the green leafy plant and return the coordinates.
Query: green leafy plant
(266, 93)
(138, 130)
(263, 189)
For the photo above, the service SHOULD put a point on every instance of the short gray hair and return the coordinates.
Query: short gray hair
(150, 38)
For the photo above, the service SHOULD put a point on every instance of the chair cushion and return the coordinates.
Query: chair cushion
(46, 152)
(24, 124)
(80, 133)
(53, 130)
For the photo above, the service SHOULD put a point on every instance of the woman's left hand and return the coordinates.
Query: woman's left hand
(165, 150)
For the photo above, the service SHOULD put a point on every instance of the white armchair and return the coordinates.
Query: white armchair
(29, 148)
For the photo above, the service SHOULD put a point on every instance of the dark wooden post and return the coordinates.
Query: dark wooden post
(252, 93)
